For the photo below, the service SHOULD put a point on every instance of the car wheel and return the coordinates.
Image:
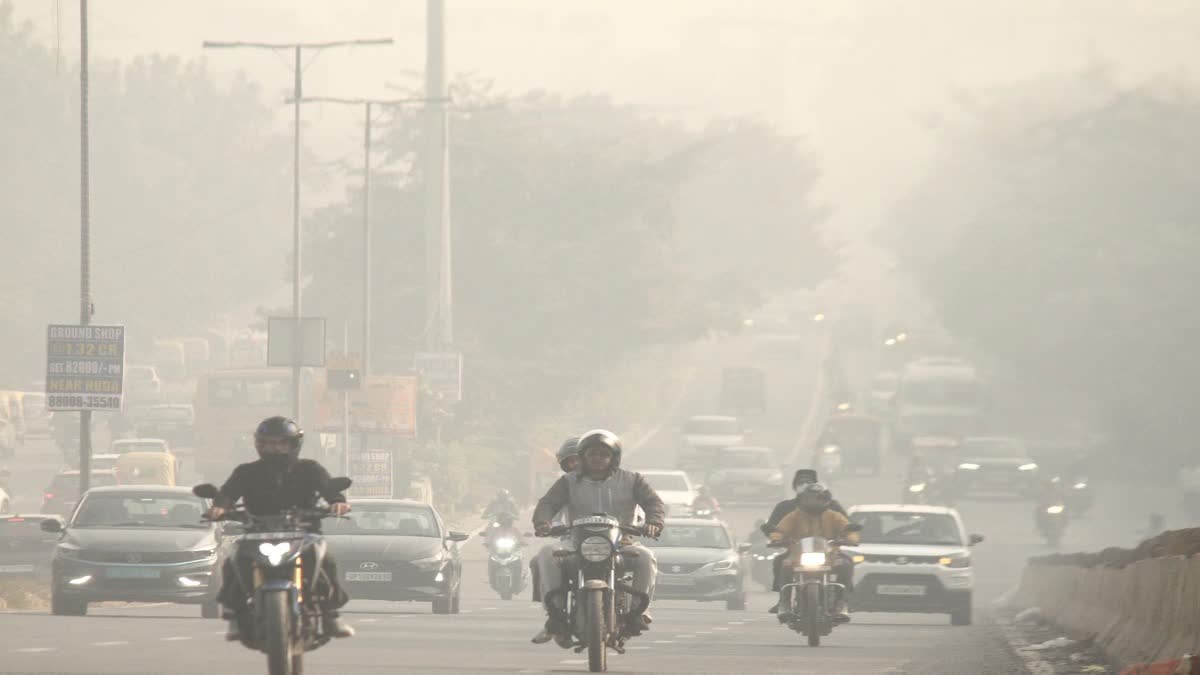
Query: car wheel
(961, 615)
(456, 602)
(443, 605)
(736, 603)
(60, 606)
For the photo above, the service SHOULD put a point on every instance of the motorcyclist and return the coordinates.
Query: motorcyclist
(802, 478)
(1051, 494)
(601, 486)
(568, 461)
(502, 503)
(278, 481)
(815, 518)
(705, 500)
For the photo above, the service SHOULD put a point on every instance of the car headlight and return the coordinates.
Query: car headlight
(1080, 486)
(969, 466)
(919, 487)
(203, 553)
(275, 553)
(1027, 467)
(431, 563)
(1056, 509)
(829, 449)
(857, 558)
(812, 559)
(596, 549)
(722, 565)
(957, 560)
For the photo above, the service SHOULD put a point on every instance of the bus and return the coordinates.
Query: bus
(938, 401)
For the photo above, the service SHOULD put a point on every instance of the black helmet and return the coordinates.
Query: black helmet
(804, 476)
(814, 496)
(279, 427)
(569, 448)
(601, 438)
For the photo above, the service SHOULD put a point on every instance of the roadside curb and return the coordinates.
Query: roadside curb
(1032, 662)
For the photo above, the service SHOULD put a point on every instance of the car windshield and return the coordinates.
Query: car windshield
(115, 509)
(746, 459)
(721, 426)
(386, 520)
(669, 482)
(890, 527)
(997, 448)
(691, 536)
(963, 393)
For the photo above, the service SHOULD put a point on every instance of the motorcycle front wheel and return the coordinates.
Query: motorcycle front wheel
(812, 618)
(278, 640)
(597, 650)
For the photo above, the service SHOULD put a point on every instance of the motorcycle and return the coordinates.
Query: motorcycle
(1078, 496)
(278, 560)
(829, 461)
(1052, 522)
(812, 595)
(596, 599)
(705, 507)
(506, 563)
(927, 487)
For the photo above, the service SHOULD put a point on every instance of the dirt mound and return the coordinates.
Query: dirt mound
(1185, 542)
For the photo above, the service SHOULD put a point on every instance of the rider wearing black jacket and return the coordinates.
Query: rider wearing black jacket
(278, 481)
(803, 477)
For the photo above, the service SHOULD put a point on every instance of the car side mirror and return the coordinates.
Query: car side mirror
(340, 484)
(457, 537)
(975, 539)
(857, 527)
(744, 548)
(206, 491)
(52, 525)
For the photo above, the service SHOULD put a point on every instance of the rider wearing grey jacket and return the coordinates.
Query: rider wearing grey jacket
(601, 486)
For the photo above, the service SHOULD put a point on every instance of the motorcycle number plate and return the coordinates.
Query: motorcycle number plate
(368, 576)
(894, 589)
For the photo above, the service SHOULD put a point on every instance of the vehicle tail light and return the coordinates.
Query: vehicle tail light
(48, 495)
(16, 520)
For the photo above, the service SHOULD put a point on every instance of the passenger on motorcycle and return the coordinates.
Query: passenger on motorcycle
(802, 478)
(279, 481)
(502, 503)
(705, 501)
(568, 461)
(815, 518)
(601, 486)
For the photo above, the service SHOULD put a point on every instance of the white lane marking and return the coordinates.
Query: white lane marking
(112, 643)
(704, 632)
(34, 650)
(574, 662)
(366, 620)
(664, 642)
(489, 609)
(465, 611)
(403, 616)
(638, 648)
(684, 636)
(720, 628)
(175, 638)
(736, 623)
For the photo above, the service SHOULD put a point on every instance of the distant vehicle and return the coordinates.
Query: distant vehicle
(143, 386)
(105, 461)
(136, 544)
(746, 473)
(674, 488)
(12, 408)
(124, 445)
(912, 559)
(170, 358)
(704, 435)
(998, 464)
(37, 418)
(858, 440)
(937, 400)
(743, 391)
(174, 422)
(698, 560)
(883, 390)
(62, 494)
(25, 549)
(398, 549)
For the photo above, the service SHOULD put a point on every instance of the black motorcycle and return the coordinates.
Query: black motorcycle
(278, 561)
(506, 562)
(812, 595)
(1052, 521)
(596, 599)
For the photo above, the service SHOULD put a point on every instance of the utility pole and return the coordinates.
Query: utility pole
(297, 94)
(439, 295)
(368, 104)
(85, 239)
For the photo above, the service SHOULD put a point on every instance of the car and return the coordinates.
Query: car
(136, 544)
(674, 488)
(37, 417)
(743, 391)
(883, 389)
(398, 550)
(25, 550)
(704, 435)
(996, 465)
(142, 382)
(105, 461)
(746, 473)
(61, 495)
(174, 422)
(698, 559)
(124, 445)
(912, 559)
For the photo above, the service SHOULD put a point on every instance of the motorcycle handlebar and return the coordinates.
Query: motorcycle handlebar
(563, 530)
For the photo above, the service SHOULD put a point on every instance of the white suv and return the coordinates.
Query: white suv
(674, 488)
(912, 559)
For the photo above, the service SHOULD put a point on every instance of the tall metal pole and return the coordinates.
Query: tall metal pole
(366, 250)
(85, 239)
(296, 341)
(437, 217)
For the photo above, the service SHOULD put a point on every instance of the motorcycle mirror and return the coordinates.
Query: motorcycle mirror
(206, 490)
(975, 539)
(340, 484)
(52, 525)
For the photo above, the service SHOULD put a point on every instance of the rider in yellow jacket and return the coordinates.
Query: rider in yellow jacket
(814, 518)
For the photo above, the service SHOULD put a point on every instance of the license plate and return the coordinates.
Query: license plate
(15, 569)
(899, 590)
(131, 573)
(368, 576)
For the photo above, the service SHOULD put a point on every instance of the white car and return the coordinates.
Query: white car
(912, 559)
(704, 435)
(674, 488)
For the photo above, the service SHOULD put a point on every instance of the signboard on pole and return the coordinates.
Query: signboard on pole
(295, 343)
(441, 373)
(85, 367)
(371, 471)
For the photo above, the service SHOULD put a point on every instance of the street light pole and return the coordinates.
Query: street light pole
(297, 95)
(85, 239)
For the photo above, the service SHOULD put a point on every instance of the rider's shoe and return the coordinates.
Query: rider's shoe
(233, 632)
(841, 617)
(335, 627)
(774, 609)
(542, 637)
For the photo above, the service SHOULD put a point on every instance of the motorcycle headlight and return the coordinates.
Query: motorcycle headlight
(829, 449)
(969, 466)
(505, 544)
(813, 559)
(1056, 509)
(919, 487)
(957, 560)
(1027, 467)
(431, 563)
(275, 553)
(1081, 486)
(596, 549)
(775, 478)
(722, 565)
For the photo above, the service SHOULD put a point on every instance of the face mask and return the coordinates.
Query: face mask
(277, 460)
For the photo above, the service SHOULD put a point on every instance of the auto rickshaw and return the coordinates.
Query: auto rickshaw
(146, 468)
(858, 438)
